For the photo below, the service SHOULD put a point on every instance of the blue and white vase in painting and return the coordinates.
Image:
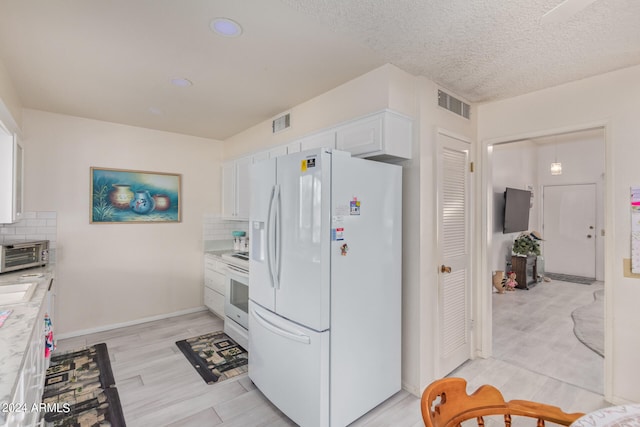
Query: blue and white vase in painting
(142, 202)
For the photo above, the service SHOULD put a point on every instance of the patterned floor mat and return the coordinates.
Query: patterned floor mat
(215, 356)
(80, 390)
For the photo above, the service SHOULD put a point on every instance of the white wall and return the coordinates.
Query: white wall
(10, 106)
(515, 165)
(384, 87)
(422, 303)
(115, 273)
(612, 99)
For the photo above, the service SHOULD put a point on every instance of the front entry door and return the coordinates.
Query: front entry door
(569, 229)
(454, 254)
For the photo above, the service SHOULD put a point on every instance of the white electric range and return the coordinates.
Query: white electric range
(236, 304)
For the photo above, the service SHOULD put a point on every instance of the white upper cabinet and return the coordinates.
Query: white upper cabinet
(293, 147)
(383, 136)
(325, 139)
(235, 189)
(278, 151)
(258, 157)
(11, 178)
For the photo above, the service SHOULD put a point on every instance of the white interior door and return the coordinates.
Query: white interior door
(569, 232)
(453, 247)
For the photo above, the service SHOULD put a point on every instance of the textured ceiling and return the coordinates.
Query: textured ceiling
(112, 60)
(489, 49)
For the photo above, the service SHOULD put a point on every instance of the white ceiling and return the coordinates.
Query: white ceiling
(112, 60)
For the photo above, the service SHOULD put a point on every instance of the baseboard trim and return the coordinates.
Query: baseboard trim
(411, 388)
(129, 323)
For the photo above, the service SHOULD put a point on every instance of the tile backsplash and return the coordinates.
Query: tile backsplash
(216, 228)
(42, 225)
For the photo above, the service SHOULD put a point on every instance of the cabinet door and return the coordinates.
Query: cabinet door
(215, 275)
(11, 175)
(18, 177)
(293, 147)
(214, 301)
(242, 188)
(258, 157)
(362, 137)
(228, 189)
(320, 140)
(278, 151)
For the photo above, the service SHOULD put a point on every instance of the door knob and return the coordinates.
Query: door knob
(588, 236)
(445, 269)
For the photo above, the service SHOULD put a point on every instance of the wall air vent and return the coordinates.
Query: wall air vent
(453, 104)
(281, 123)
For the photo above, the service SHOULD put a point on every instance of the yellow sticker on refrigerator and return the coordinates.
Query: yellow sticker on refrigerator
(307, 163)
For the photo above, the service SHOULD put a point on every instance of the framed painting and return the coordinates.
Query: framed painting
(131, 196)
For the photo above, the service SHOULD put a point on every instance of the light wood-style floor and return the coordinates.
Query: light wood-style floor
(536, 357)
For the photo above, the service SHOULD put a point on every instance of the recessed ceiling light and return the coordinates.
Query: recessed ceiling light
(180, 81)
(226, 27)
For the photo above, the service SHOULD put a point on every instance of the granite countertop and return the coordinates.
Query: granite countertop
(17, 329)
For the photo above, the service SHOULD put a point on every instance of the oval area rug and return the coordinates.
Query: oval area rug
(588, 323)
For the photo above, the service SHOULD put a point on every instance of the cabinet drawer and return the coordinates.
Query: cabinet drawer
(214, 301)
(213, 263)
(215, 281)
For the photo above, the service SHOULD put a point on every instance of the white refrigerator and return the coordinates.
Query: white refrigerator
(325, 284)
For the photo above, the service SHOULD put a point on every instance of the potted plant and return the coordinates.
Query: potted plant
(525, 245)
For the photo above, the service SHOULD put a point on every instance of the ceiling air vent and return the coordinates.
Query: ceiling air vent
(453, 104)
(281, 123)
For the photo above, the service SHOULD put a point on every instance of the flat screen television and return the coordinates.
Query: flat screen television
(516, 210)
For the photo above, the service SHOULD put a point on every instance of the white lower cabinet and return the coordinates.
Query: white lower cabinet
(214, 302)
(215, 276)
(30, 381)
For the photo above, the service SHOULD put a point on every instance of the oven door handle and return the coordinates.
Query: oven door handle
(237, 270)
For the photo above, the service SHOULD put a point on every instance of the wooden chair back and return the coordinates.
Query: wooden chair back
(445, 403)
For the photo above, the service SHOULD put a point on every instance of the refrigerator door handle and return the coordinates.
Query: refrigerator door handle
(270, 238)
(301, 338)
(278, 259)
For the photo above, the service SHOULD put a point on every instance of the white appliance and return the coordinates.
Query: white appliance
(236, 298)
(325, 284)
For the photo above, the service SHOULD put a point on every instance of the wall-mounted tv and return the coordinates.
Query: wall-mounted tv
(516, 210)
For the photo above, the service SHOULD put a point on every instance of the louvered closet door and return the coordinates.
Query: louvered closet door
(453, 247)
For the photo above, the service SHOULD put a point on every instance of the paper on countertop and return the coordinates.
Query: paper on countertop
(3, 316)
